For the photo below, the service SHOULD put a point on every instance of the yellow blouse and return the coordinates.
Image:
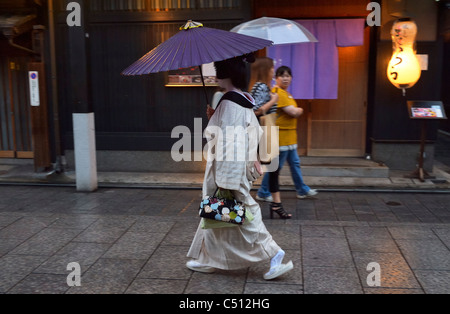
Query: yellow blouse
(287, 124)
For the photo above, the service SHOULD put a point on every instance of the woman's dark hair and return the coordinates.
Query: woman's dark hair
(283, 69)
(237, 69)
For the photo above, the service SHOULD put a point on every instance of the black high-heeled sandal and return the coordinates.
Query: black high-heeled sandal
(278, 208)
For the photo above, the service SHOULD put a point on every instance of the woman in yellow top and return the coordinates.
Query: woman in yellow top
(288, 112)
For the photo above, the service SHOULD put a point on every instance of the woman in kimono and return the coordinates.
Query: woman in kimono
(244, 245)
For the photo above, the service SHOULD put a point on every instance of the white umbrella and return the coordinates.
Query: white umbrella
(280, 31)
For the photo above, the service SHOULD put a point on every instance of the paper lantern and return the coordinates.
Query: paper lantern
(404, 69)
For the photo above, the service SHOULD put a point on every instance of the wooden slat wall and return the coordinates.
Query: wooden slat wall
(6, 140)
(309, 9)
(15, 130)
(137, 112)
(15, 4)
(22, 114)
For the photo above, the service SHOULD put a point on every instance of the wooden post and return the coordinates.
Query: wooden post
(83, 115)
(39, 120)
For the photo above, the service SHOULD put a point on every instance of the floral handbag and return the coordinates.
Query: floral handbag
(223, 208)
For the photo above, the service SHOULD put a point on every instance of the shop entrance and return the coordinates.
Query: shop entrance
(338, 127)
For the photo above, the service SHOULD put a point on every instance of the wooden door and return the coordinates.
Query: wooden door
(338, 127)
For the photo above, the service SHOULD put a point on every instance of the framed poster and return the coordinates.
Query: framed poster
(426, 110)
(190, 77)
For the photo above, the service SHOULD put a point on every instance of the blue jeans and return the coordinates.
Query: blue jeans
(291, 156)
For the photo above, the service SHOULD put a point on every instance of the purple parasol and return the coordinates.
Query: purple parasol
(195, 45)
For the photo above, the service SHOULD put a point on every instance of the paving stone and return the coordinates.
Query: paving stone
(287, 236)
(7, 220)
(168, 262)
(182, 233)
(272, 288)
(46, 242)
(157, 286)
(84, 254)
(377, 240)
(25, 227)
(114, 221)
(73, 222)
(392, 291)
(443, 234)
(153, 225)
(220, 282)
(364, 232)
(135, 245)
(434, 281)
(395, 272)
(100, 235)
(425, 254)
(16, 267)
(41, 284)
(7, 245)
(331, 280)
(409, 232)
(108, 276)
(326, 252)
(323, 231)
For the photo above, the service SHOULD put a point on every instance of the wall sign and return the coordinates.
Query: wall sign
(34, 88)
(426, 110)
(191, 76)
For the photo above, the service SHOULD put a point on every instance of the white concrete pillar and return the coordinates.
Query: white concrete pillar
(85, 152)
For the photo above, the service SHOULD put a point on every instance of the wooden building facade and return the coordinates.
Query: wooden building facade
(139, 113)
(24, 129)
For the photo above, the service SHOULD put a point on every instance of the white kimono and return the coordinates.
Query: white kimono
(241, 246)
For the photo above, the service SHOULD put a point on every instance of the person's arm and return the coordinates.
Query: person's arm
(293, 111)
(210, 112)
(269, 104)
(259, 93)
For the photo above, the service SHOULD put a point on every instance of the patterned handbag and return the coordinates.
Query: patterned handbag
(224, 209)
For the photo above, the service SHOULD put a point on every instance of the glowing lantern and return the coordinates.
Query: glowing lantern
(404, 69)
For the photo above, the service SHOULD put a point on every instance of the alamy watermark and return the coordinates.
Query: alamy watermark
(74, 17)
(374, 18)
(74, 278)
(228, 144)
(374, 278)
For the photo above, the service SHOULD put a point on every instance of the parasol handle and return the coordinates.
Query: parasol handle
(204, 85)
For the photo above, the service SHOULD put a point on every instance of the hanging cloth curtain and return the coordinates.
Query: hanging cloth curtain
(315, 66)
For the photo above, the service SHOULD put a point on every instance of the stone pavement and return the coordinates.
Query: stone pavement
(136, 240)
